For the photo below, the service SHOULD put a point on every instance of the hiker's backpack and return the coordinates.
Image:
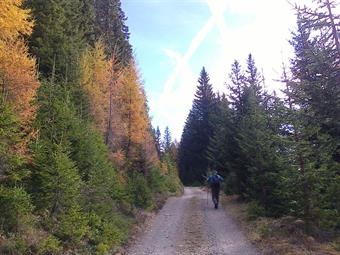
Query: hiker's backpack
(215, 181)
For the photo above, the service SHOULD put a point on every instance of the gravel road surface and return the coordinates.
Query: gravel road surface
(188, 226)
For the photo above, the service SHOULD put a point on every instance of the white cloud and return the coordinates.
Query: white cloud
(266, 37)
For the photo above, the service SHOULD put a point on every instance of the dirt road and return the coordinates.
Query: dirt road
(187, 225)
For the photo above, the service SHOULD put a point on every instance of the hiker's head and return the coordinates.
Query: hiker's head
(215, 172)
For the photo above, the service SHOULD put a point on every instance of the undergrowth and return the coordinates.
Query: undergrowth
(282, 236)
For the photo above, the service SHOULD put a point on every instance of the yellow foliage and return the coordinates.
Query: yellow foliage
(131, 127)
(18, 79)
(118, 158)
(95, 78)
(128, 123)
(164, 168)
(150, 149)
(14, 20)
(132, 104)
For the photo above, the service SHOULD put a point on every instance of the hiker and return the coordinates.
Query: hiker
(214, 181)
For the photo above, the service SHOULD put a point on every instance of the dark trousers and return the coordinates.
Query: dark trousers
(215, 194)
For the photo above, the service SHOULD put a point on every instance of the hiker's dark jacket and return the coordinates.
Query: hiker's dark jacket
(211, 177)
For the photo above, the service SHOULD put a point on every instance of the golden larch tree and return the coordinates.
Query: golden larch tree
(18, 77)
(131, 124)
(95, 79)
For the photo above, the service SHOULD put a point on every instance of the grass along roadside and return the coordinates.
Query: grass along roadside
(283, 236)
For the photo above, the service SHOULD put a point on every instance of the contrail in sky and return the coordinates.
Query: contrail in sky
(217, 10)
(182, 61)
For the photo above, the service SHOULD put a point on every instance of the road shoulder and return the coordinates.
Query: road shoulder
(282, 236)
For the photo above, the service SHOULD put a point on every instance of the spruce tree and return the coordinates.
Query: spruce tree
(15, 203)
(198, 130)
(70, 157)
(54, 169)
(60, 35)
(222, 142)
(236, 87)
(158, 141)
(323, 20)
(253, 78)
(253, 159)
(249, 136)
(320, 27)
(110, 25)
(311, 94)
(167, 140)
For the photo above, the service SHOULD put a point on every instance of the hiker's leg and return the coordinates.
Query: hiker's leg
(218, 195)
(217, 191)
(213, 195)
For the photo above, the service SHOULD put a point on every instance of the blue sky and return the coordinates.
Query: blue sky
(173, 39)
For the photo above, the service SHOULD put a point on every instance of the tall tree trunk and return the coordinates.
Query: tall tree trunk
(109, 121)
(306, 192)
(129, 128)
(301, 162)
(334, 31)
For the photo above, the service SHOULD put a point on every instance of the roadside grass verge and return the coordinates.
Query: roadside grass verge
(282, 236)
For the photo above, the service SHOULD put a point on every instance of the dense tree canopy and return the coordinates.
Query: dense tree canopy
(110, 25)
